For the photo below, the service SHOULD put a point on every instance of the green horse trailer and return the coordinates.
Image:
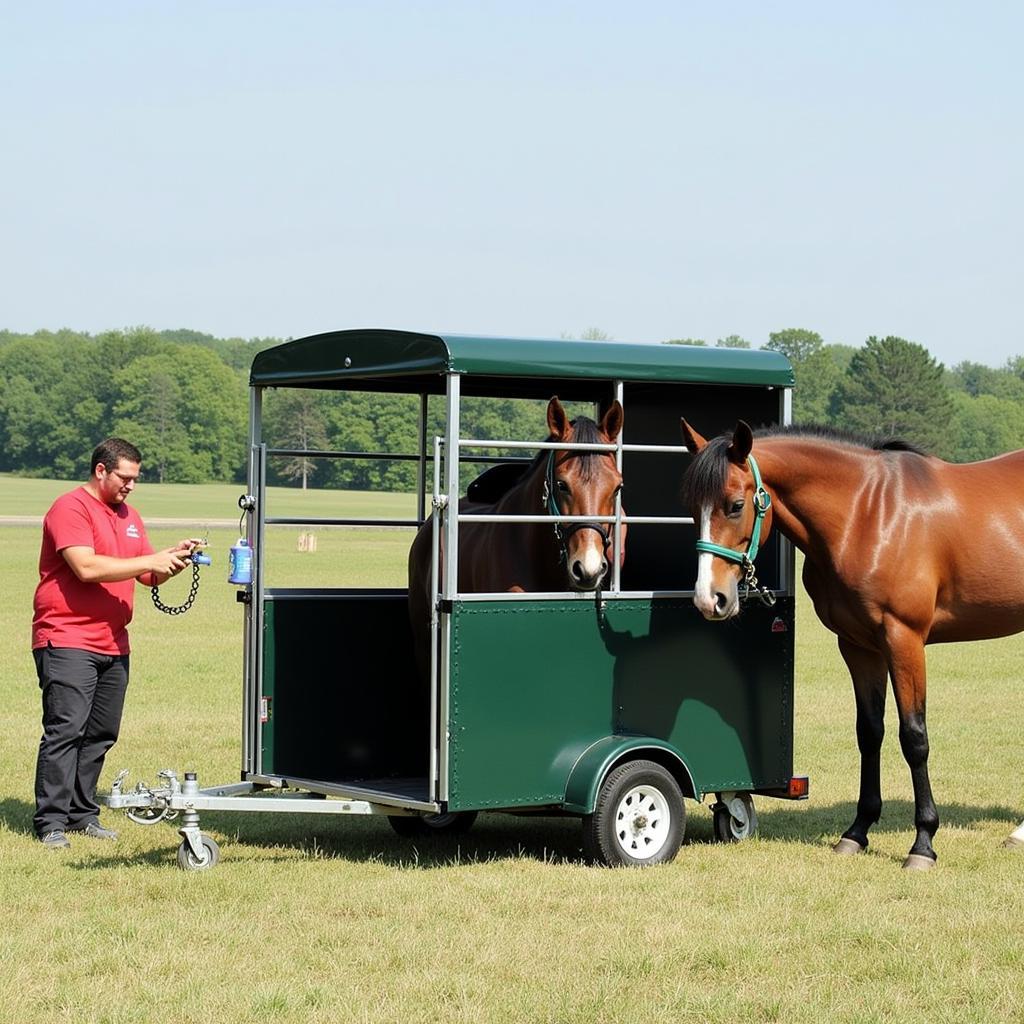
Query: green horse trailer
(613, 707)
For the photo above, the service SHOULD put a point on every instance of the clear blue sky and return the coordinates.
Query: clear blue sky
(656, 170)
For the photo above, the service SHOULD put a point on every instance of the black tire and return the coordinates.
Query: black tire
(728, 829)
(639, 818)
(188, 861)
(455, 823)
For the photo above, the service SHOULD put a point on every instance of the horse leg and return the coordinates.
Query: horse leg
(869, 672)
(907, 668)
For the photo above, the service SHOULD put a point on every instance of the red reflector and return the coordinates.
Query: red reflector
(799, 787)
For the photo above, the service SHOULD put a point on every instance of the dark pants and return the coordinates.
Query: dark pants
(83, 696)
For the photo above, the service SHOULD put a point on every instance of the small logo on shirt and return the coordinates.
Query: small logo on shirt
(132, 531)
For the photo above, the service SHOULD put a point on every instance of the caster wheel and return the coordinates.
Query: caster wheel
(188, 861)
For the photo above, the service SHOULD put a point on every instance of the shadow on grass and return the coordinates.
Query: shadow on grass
(495, 837)
(16, 815)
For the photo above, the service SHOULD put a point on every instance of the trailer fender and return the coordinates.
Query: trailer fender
(602, 756)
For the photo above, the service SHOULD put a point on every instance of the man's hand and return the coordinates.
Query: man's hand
(170, 561)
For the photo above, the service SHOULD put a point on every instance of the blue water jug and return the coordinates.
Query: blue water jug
(240, 563)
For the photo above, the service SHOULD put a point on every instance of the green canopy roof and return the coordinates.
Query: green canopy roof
(329, 360)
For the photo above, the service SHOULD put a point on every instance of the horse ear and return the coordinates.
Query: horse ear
(558, 421)
(611, 425)
(742, 442)
(691, 438)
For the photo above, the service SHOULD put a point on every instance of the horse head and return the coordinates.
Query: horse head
(722, 489)
(582, 483)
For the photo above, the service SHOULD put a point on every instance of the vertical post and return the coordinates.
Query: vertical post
(451, 488)
(450, 582)
(252, 617)
(617, 528)
(787, 564)
(436, 523)
(421, 475)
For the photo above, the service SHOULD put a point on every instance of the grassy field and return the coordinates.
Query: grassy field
(313, 919)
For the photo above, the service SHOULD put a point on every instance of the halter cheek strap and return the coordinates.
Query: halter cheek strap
(762, 502)
(562, 534)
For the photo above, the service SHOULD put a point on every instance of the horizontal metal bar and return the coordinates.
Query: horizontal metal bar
(385, 799)
(539, 445)
(670, 449)
(575, 595)
(308, 453)
(474, 517)
(296, 521)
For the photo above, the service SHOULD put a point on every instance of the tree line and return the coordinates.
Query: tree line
(181, 396)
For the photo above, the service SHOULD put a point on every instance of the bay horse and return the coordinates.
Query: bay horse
(529, 557)
(900, 550)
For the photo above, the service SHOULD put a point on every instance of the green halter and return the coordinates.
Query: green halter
(762, 502)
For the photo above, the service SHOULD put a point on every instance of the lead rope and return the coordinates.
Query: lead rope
(181, 608)
(192, 590)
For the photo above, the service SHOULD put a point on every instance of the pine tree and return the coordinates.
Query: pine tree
(894, 388)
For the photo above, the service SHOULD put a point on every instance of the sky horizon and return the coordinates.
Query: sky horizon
(670, 170)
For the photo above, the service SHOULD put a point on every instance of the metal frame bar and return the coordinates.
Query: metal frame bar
(450, 582)
(310, 453)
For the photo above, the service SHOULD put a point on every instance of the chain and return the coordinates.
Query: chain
(192, 591)
(753, 587)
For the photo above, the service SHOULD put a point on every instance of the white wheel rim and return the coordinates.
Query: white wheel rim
(642, 822)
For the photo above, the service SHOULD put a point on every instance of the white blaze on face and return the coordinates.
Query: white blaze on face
(703, 593)
(592, 555)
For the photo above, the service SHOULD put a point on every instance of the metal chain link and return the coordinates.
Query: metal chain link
(193, 590)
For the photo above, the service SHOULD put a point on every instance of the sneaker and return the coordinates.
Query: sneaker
(94, 830)
(55, 840)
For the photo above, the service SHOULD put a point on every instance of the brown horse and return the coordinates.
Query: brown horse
(890, 565)
(532, 557)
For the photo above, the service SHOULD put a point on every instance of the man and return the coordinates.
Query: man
(94, 549)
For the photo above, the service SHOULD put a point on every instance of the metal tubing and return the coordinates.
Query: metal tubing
(617, 531)
(421, 471)
(435, 545)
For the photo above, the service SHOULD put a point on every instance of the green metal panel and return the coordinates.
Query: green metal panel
(328, 359)
(599, 758)
(535, 684)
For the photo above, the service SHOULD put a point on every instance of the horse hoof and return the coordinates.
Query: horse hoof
(1013, 843)
(918, 862)
(848, 847)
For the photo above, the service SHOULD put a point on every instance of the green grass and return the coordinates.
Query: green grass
(313, 919)
(22, 496)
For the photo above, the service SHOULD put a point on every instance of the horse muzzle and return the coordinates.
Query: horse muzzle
(716, 606)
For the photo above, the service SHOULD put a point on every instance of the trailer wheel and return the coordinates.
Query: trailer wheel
(734, 817)
(639, 818)
(454, 823)
(188, 861)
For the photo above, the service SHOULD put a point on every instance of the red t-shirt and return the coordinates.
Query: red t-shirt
(68, 612)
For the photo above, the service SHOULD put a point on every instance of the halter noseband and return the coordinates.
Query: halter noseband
(762, 502)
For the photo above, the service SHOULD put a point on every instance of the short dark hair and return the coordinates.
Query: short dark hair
(112, 451)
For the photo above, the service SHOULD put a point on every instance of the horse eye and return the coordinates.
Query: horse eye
(562, 486)
(735, 508)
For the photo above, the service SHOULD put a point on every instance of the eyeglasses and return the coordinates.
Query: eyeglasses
(122, 477)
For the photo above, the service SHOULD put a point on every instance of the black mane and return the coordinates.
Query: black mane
(828, 433)
(704, 479)
(493, 483)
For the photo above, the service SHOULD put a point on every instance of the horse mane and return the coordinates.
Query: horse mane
(704, 479)
(497, 481)
(835, 434)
